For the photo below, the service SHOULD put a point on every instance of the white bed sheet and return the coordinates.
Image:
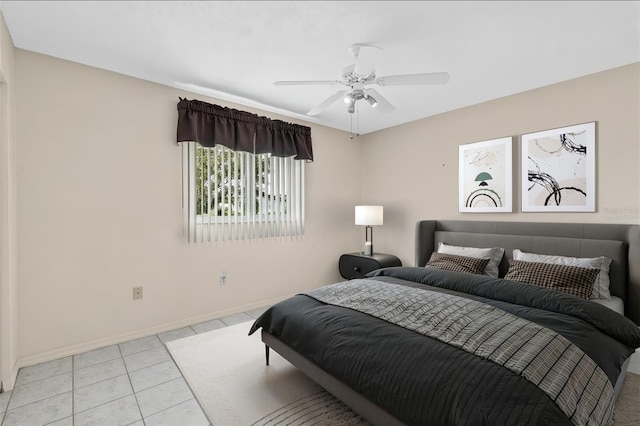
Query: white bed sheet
(614, 303)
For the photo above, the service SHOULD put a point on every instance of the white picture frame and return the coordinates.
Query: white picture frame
(485, 176)
(558, 169)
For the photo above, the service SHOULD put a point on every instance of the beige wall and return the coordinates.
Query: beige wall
(100, 212)
(99, 198)
(8, 213)
(413, 169)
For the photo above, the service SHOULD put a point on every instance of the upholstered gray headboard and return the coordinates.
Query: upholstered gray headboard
(621, 243)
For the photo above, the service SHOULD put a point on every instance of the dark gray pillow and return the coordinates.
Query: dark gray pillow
(453, 262)
(574, 280)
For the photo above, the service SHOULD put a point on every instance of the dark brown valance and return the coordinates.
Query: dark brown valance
(210, 125)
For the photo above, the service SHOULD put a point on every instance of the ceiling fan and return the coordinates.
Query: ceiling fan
(361, 74)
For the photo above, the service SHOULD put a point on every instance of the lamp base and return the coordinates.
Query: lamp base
(368, 248)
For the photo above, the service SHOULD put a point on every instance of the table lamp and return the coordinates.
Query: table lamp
(368, 216)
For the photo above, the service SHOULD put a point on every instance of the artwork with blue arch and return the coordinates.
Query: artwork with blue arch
(485, 176)
(558, 170)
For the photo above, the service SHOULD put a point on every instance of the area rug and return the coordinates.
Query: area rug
(627, 411)
(226, 371)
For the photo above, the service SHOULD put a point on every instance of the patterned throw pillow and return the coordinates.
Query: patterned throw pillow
(493, 253)
(573, 280)
(600, 285)
(453, 262)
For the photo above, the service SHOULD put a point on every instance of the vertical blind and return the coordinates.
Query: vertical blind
(243, 175)
(231, 195)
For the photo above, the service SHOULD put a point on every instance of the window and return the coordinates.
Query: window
(236, 195)
(243, 174)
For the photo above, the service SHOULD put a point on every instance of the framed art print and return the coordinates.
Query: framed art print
(484, 181)
(558, 170)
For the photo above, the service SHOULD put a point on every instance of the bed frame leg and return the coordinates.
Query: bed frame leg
(266, 353)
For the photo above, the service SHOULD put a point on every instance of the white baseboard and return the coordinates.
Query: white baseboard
(7, 385)
(121, 338)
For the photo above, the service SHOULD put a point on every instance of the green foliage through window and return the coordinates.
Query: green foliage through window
(232, 183)
(240, 195)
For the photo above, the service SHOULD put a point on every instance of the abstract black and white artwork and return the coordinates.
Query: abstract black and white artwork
(558, 170)
(485, 176)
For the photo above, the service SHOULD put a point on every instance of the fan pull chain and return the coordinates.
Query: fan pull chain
(357, 114)
(357, 122)
(351, 128)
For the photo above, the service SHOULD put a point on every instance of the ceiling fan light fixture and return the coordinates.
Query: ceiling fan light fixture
(358, 75)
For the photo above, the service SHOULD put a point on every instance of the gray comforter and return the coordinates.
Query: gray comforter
(430, 347)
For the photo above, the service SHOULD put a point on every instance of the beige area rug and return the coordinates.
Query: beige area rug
(227, 373)
(627, 411)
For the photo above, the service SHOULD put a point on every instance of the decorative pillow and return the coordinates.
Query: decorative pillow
(494, 254)
(452, 262)
(601, 284)
(573, 280)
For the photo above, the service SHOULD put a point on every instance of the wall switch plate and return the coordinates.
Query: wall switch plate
(223, 278)
(137, 293)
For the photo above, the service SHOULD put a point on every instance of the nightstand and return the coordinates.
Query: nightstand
(356, 265)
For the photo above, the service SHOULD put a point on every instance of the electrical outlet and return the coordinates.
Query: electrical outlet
(223, 278)
(137, 293)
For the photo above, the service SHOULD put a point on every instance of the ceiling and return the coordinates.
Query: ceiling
(235, 50)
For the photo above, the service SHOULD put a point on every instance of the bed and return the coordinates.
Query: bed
(440, 345)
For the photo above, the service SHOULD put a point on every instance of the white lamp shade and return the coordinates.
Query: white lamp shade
(369, 215)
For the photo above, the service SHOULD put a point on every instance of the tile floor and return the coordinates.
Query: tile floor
(133, 383)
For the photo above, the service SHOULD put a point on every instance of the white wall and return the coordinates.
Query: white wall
(99, 208)
(418, 161)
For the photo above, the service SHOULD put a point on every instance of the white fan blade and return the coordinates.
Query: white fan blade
(347, 71)
(413, 79)
(331, 99)
(303, 82)
(382, 104)
(366, 59)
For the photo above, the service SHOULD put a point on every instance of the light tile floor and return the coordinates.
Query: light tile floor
(133, 383)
